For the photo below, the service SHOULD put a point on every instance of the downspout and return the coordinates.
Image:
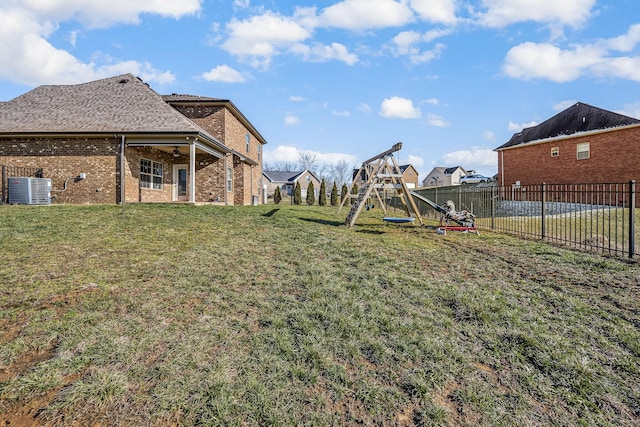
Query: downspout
(122, 190)
(502, 167)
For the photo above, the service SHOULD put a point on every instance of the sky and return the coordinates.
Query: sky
(345, 80)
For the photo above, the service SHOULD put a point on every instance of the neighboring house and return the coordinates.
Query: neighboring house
(409, 176)
(117, 139)
(444, 177)
(582, 144)
(287, 180)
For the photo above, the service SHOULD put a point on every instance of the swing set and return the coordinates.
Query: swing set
(382, 172)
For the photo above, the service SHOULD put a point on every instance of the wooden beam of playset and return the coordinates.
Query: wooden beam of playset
(396, 147)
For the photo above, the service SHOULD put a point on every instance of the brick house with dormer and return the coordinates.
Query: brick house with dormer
(128, 143)
(582, 144)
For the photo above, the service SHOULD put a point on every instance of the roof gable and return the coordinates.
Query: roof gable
(117, 104)
(578, 118)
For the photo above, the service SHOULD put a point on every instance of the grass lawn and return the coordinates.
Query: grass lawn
(280, 315)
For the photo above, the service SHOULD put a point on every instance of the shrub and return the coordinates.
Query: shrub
(334, 195)
(322, 197)
(297, 197)
(311, 194)
(277, 196)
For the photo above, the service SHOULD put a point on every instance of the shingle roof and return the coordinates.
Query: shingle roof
(179, 97)
(281, 176)
(116, 104)
(578, 118)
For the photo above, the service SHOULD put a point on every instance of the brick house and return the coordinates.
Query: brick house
(129, 143)
(287, 180)
(582, 144)
(444, 177)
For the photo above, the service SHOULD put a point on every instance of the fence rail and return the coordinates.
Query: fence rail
(592, 217)
(15, 171)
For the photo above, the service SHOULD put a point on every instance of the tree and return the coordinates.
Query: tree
(308, 160)
(334, 195)
(277, 196)
(322, 197)
(341, 172)
(344, 192)
(354, 190)
(297, 197)
(311, 194)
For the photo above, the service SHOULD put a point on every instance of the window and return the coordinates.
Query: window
(150, 174)
(259, 151)
(555, 151)
(247, 139)
(583, 151)
(229, 179)
(308, 178)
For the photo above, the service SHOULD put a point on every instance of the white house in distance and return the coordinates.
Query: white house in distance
(443, 177)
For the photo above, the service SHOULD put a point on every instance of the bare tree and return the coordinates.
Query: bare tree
(279, 166)
(341, 172)
(308, 160)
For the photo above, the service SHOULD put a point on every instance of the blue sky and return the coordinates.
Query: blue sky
(345, 80)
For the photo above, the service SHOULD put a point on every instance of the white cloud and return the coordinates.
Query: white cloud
(225, 74)
(626, 42)
(437, 121)
(319, 52)
(259, 38)
(32, 60)
(364, 108)
(361, 15)
(501, 13)
(405, 44)
(546, 61)
(563, 105)
(416, 161)
(294, 98)
(517, 127)
(291, 120)
(475, 158)
(489, 136)
(399, 108)
(341, 113)
(432, 101)
(442, 11)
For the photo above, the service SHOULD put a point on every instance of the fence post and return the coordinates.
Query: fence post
(632, 216)
(542, 208)
(493, 207)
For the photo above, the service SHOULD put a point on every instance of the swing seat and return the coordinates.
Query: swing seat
(398, 220)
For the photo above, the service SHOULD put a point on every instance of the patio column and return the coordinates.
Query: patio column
(192, 171)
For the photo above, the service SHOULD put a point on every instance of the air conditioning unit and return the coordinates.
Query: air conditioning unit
(29, 191)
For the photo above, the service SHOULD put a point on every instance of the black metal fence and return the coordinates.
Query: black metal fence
(15, 171)
(592, 217)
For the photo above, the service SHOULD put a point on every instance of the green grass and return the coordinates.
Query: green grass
(280, 315)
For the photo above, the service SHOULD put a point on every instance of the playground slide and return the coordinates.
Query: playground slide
(429, 202)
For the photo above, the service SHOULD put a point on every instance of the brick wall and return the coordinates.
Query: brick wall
(614, 157)
(63, 159)
(222, 124)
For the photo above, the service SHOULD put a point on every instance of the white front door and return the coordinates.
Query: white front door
(181, 183)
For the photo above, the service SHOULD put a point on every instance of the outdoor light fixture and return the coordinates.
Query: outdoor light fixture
(176, 152)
